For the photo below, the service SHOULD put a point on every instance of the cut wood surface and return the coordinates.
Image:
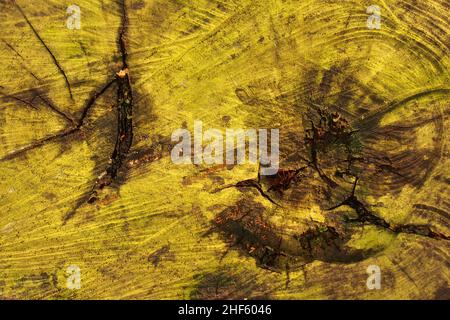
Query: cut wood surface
(87, 179)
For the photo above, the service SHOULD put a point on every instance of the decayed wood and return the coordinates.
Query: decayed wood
(86, 175)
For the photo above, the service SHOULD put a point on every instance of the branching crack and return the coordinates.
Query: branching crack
(55, 109)
(27, 103)
(125, 109)
(61, 70)
(365, 216)
(75, 126)
(249, 183)
(332, 128)
(38, 144)
(47, 103)
(124, 137)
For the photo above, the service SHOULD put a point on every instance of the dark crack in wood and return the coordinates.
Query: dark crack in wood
(61, 70)
(365, 216)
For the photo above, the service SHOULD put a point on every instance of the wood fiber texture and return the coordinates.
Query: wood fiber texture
(86, 177)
